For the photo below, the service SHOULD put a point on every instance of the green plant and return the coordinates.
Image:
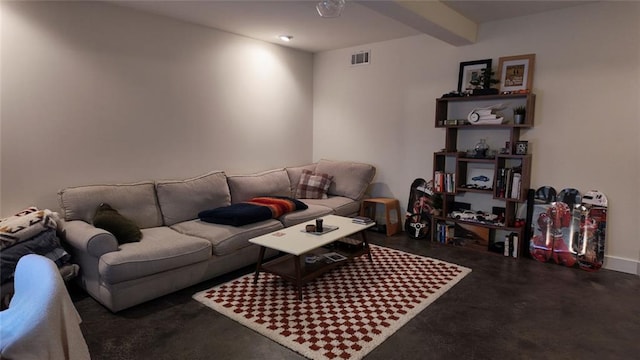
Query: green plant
(519, 110)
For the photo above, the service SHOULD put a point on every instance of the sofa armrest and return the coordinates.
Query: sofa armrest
(87, 238)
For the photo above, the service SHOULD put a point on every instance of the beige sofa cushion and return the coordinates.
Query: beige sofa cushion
(350, 179)
(161, 249)
(342, 206)
(312, 213)
(182, 200)
(227, 239)
(268, 183)
(135, 201)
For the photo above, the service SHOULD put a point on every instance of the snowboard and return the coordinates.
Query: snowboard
(567, 222)
(593, 226)
(569, 228)
(542, 235)
(417, 224)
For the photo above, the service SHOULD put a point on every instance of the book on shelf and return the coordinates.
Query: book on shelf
(514, 245)
(511, 245)
(509, 183)
(444, 233)
(362, 220)
(444, 182)
(449, 182)
(515, 186)
(500, 182)
(438, 180)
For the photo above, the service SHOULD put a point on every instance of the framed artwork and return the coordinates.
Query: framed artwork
(470, 75)
(522, 147)
(516, 73)
(481, 178)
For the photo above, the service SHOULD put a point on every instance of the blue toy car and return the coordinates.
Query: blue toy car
(480, 178)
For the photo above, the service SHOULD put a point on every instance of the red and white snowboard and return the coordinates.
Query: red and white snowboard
(542, 236)
(569, 229)
(418, 218)
(593, 226)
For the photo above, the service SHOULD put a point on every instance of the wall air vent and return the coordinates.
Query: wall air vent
(361, 58)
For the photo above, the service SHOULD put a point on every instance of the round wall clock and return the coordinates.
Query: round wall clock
(473, 117)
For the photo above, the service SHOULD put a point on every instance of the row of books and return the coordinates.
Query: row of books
(444, 233)
(444, 181)
(511, 245)
(509, 183)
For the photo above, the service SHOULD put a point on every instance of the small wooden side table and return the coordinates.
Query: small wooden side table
(391, 206)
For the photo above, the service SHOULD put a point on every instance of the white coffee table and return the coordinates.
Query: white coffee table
(296, 242)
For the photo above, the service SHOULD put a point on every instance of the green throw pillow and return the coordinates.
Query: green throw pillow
(108, 218)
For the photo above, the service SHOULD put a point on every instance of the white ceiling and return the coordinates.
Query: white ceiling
(485, 11)
(359, 23)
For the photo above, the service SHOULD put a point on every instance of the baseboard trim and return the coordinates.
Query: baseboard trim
(616, 263)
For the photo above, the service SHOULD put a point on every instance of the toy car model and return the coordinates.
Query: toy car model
(480, 178)
(473, 215)
(464, 215)
(485, 216)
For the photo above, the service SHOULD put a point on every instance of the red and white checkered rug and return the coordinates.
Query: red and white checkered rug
(345, 313)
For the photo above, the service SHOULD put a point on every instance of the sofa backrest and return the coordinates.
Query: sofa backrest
(135, 201)
(152, 204)
(267, 183)
(182, 200)
(350, 179)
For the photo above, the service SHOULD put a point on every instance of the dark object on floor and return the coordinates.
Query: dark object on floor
(379, 228)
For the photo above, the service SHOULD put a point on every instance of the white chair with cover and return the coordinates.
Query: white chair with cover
(41, 321)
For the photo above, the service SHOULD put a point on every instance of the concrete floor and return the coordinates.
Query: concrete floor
(504, 309)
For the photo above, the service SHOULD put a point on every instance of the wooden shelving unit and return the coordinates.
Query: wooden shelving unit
(454, 159)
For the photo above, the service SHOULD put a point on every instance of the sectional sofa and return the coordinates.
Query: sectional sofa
(177, 248)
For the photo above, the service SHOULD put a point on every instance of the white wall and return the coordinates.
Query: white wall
(91, 92)
(95, 93)
(587, 81)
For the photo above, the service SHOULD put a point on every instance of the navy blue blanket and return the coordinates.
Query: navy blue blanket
(255, 210)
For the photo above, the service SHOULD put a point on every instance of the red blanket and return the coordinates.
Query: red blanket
(278, 206)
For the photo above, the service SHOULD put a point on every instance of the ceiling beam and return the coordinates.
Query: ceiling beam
(429, 17)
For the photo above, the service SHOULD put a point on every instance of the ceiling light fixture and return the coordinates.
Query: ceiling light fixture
(330, 8)
(285, 38)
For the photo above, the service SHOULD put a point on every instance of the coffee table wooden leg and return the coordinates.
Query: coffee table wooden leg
(366, 244)
(298, 276)
(259, 265)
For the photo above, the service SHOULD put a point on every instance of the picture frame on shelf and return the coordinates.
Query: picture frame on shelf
(516, 73)
(481, 178)
(522, 147)
(471, 71)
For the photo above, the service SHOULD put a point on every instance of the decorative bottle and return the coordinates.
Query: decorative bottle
(481, 148)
